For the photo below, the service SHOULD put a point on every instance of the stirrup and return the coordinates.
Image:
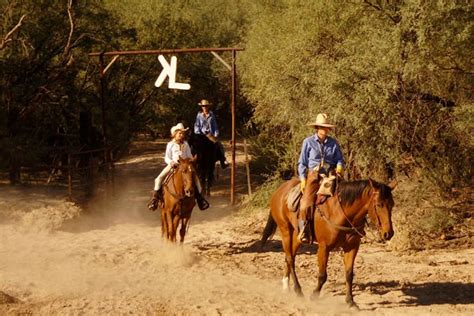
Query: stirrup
(303, 235)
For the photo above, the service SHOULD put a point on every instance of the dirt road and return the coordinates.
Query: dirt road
(58, 259)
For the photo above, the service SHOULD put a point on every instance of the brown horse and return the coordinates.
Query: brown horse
(339, 222)
(179, 200)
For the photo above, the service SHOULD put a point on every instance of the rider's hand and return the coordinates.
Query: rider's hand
(302, 184)
(173, 164)
(339, 170)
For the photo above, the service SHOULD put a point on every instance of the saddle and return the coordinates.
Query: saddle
(294, 197)
(326, 188)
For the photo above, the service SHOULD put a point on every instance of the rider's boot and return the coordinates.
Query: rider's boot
(153, 204)
(224, 164)
(201, 201)
(304, 231)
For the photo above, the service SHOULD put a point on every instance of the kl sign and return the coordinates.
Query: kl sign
(169, 70)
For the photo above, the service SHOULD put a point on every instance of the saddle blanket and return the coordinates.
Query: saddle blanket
(294, 197)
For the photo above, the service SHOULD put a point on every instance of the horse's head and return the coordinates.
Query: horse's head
(380, 209)
(186, 172)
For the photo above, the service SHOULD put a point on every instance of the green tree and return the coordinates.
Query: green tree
(378, 70)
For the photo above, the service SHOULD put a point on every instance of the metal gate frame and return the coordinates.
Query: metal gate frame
(103, 69)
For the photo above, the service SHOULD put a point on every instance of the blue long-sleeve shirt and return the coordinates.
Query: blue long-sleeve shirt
(314, 151)
(206, 125)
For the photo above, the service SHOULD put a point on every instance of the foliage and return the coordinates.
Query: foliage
(186, 24)
(46, 77)
(261, 197)
(392, 75)
(395, 76)
(50, 96)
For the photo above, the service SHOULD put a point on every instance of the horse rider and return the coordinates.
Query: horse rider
(322, 154)
(176, 148)
(206, 124)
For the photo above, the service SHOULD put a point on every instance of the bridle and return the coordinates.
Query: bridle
(352, 229)
(174, 192)
(374, 199)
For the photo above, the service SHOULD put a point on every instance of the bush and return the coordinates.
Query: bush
(261, 198)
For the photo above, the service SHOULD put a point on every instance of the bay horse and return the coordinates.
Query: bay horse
(339, 222)
(206, 153)
(179, 200)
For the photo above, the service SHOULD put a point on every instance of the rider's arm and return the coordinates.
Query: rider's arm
(338, 156)
(214, 128)
(303, 160)
(169, 153)
(197, 124)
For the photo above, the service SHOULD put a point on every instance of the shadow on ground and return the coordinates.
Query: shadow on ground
(425, 293)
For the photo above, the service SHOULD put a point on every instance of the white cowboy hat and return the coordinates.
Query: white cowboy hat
(178, 127)
(204, 102)
(322, 120)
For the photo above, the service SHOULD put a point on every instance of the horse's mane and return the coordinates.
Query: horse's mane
(350, 191)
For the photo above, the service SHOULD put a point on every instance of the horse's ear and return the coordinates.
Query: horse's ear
(393, 184)
(194, 158)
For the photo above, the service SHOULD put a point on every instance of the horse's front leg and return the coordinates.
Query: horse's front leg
(175, 224)
(182, 230)
(350, 253)
(323, 256)
(164, 230)
(295, 244)
(288, 247)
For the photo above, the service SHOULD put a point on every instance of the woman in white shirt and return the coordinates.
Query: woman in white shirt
(176, 148)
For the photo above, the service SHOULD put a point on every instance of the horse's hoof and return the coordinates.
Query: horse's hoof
(299, 294)
(315, 296)
(352, 305)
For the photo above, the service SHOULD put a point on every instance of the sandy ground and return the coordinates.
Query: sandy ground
(109, 259)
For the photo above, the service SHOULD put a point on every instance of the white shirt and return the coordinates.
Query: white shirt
(175, 150)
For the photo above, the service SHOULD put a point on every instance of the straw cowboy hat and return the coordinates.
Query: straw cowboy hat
(322, 120)
(204, 102)
(178, 127)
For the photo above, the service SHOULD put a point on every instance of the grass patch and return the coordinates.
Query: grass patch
(261, 197)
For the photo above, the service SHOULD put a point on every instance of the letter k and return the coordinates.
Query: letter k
(169, 70)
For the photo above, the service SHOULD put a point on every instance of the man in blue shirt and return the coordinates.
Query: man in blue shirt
(206, 124)
(322, 154)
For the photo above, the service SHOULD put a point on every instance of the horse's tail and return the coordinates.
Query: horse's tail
(269, 230)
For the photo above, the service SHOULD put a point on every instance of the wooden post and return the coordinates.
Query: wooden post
(104, 68)
(69, 176)
(234, 92)
(104, 119)
(247, 167)
(112, 171)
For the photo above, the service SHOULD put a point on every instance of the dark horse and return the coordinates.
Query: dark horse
(178, 195)
(206, 153)
(339, 222)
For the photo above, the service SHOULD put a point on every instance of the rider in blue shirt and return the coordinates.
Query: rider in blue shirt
(322, 154)
(206, 124)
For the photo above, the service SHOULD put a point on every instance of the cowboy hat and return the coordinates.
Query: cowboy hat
(178, 127)
(322, 120)
(204, 102)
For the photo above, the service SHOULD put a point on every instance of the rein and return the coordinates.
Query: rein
(351, 229)
(173, 194)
